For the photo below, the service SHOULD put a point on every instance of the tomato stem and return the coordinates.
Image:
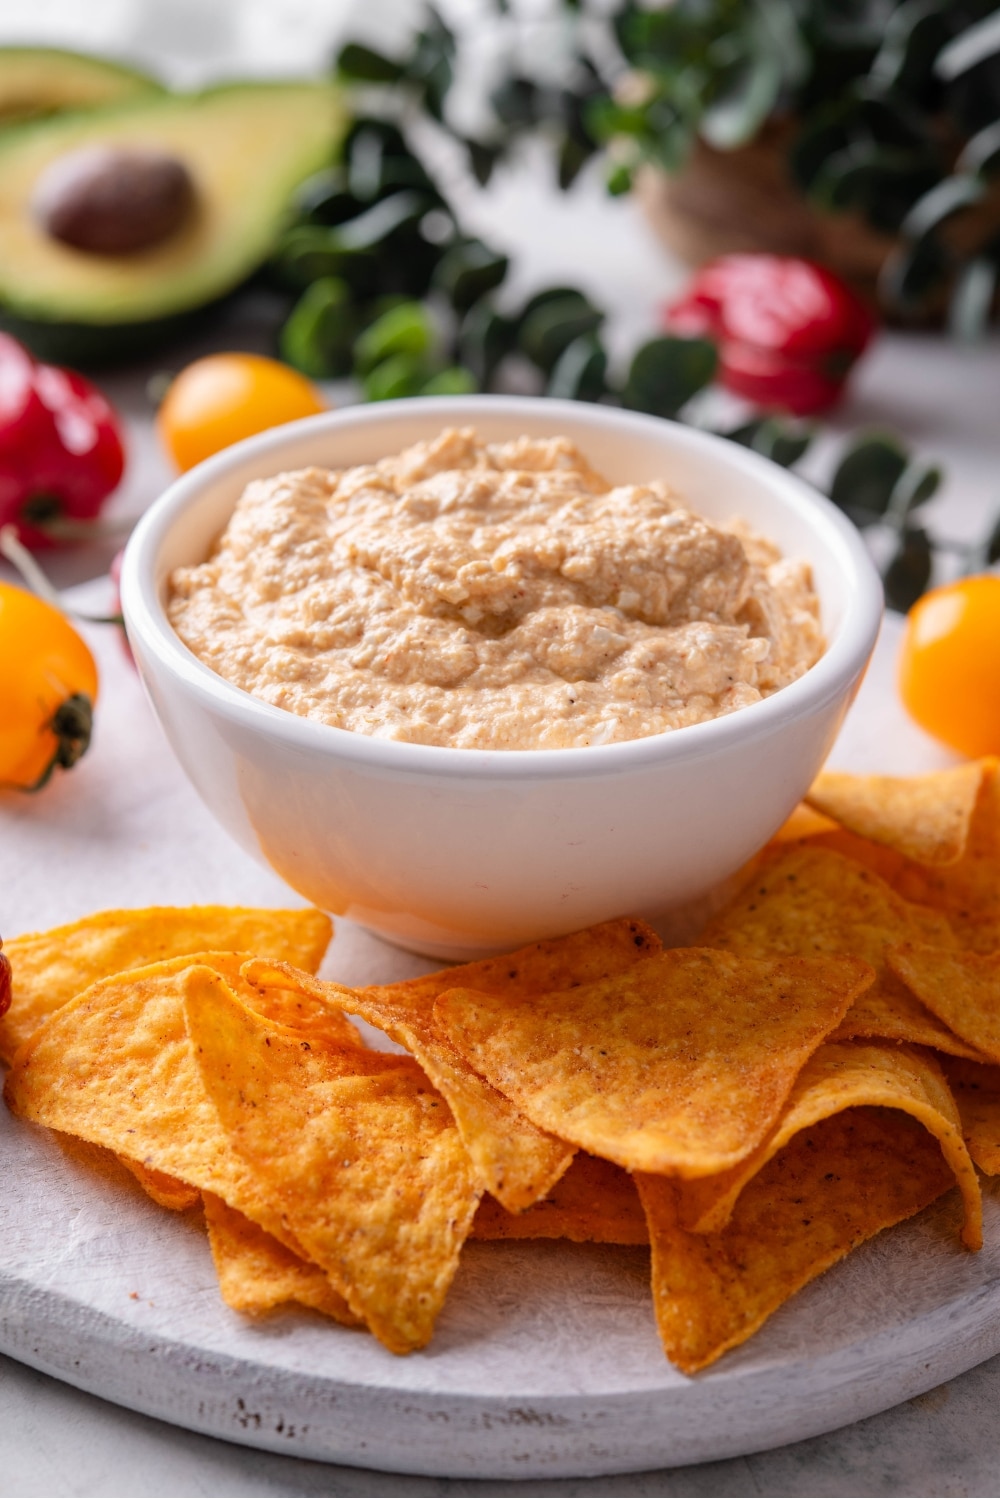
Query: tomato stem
(72, 724)
(17, 554)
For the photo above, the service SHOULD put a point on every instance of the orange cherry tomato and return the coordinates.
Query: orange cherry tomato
(225, 397)
(48, 686)
(950, 664)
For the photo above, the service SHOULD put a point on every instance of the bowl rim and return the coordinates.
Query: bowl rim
(154, 637)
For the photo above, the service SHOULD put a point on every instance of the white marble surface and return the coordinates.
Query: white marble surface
(55, 1440)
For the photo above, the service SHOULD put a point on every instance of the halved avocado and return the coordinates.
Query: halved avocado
(39, 81)
(246, 148)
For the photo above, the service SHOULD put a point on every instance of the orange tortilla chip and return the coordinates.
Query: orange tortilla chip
(843, 1076)
(168, 1192)
(257, 1274)
(516, 1162)
(552, 964)
(357, 1147)
(807, 900)
(50, 968)
(803, 822)
(976, 1087)
(962, 989)
(926, 818)
(115, 1067)
(968, 892)
(883, 862)
(832, 1187)
(680, 1065)
(594, 1200)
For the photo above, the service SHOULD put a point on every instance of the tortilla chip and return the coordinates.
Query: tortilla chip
(51, 968)
(553, 964)
(962, 989)
(968, 892)
(807, 901)
(679, 1065)
(257, 1274)
(802, 823)
(832, 1187)
(976, 1087)
(839, 1076)
(594, 1200)
(883, 862)
(516, 1161)
(115, 1067)
(168, 1192)
(358, 1148)
(926, 818)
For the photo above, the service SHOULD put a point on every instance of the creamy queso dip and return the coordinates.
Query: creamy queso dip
(493, 596)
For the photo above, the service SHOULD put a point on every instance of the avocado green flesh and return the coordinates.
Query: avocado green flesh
(38, 81)
(246, 146)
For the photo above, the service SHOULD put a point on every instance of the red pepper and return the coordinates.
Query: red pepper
(61, 451)
(788, 331)
(4, 980)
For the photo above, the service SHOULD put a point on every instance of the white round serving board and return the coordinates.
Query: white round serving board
(545, 1361)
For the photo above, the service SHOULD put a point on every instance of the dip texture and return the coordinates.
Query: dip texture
(493, 596)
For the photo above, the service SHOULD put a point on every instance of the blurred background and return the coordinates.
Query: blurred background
(495, 195)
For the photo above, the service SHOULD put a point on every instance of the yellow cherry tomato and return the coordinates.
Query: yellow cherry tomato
(48, 687)
(950, 664)
(225, 397)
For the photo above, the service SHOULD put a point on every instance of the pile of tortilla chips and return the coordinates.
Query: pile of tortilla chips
(823, 1063)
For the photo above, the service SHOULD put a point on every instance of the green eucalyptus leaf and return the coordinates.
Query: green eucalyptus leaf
(779, 441)
(981, 153)
(947, 198)
(398, 376)
(515, 102)
(310, 252)
(912, 271)
(915, 33)
(667, 372)
(619, 181)
(822, 135)
(736, 114)
(551, 323)
(379, 163)
(482, 159)
(782, 444)
(573, 157)
(914, 487)
(485, 338)
(377, 225)
(972, 299)
(780, 26)
(363, 65)
(430, 64)
(866, 477)
(456, 380)
(746, 432)
(404, 329)
(882, 182)
(319, 333)
(992, 547)
(325, 199)
(553, 294)
(467, 271)
(909, 570)
(580, 371)
(969, 48)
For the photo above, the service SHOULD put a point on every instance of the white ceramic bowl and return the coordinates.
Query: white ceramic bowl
(464, 852)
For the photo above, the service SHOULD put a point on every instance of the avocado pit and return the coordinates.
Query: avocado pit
(112, 200)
